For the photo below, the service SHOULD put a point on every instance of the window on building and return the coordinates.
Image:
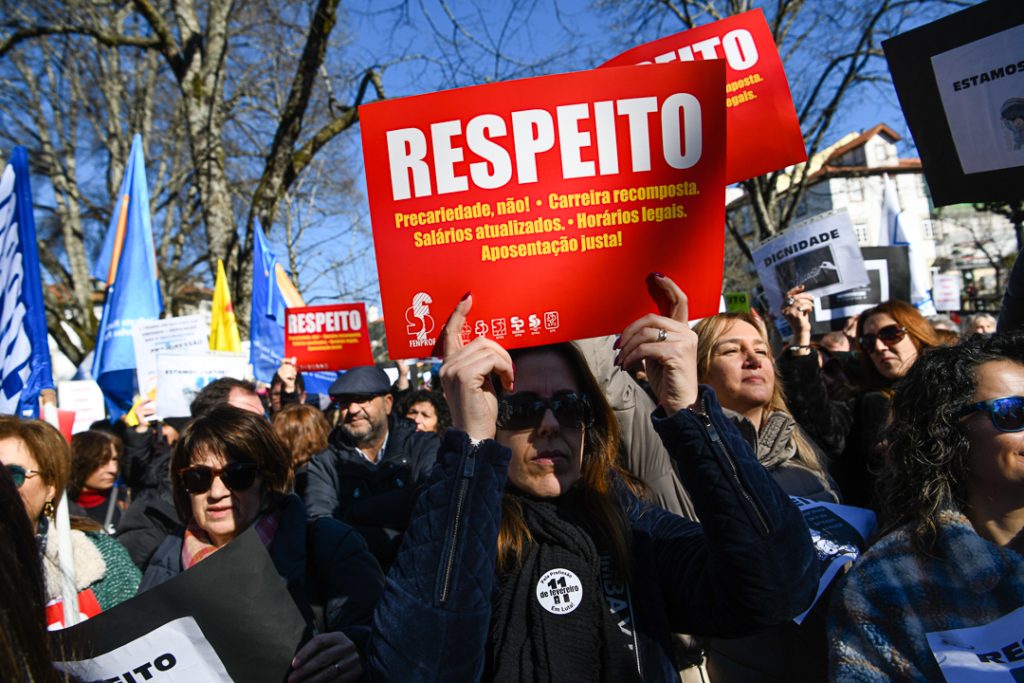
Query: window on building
(927, 230)
(855, 188)
(861, 230)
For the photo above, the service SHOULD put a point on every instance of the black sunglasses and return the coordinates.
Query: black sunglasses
(1006, 413)
(237, 476)
(890, 336)
(525, 411)
(19, 474)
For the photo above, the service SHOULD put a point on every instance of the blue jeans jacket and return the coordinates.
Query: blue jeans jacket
(748, 565)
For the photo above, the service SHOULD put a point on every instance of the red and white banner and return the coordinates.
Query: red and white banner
(763, 129)
(331, 337)
(550, 199)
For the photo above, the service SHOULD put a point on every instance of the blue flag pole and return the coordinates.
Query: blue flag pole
(25, 367)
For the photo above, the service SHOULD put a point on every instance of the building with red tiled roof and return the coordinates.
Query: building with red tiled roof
(851, 174)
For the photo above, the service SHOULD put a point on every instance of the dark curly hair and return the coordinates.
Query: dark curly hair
(434, 398)
(926, 460)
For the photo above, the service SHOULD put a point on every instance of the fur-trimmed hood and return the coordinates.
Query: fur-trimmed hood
(90, 566)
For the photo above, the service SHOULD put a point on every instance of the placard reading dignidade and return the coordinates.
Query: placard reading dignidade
(820, 253)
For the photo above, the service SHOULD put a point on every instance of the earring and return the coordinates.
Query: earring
(49, 510)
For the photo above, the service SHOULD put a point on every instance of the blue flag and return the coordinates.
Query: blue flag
(127, 263)
(24, 351)
(266, 322)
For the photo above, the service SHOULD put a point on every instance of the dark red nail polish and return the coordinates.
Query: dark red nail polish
(657, 274)
(465, 296)
(618, 343)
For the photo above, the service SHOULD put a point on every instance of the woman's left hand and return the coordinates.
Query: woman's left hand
(666, 345)
(327, 657)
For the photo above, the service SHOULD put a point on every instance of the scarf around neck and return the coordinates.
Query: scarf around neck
(551, 621)
(197, 545)
(90, 498)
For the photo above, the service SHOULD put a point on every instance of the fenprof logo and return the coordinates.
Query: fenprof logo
(419, 322)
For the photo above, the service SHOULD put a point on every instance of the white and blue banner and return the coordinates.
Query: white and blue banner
(24, 354)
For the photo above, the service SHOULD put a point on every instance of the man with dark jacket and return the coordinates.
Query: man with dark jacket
(368, 474)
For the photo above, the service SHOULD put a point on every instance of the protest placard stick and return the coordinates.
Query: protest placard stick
(62, 522)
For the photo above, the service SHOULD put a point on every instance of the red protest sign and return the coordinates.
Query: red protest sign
(763, 130)
(331, 337)
(550, 199)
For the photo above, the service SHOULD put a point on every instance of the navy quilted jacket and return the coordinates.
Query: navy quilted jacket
(748, 565)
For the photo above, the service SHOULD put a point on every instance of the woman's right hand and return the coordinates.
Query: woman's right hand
(798, 314)
(466, 376)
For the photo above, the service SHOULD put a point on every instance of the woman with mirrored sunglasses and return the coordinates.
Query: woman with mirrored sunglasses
(531, 555)
(230, 472)
(951, 550)
(890, 339)
(38, 460)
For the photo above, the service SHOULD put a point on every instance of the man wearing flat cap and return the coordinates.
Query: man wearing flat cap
(368, 474)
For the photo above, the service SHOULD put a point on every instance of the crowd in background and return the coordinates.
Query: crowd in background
(419, 520)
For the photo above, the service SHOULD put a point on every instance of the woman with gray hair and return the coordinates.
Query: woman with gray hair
(979, 323)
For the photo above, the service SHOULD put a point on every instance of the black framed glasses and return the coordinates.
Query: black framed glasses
(19, 474)
(890, 336)
(237, 476)
(525, 411)
(1006, 413)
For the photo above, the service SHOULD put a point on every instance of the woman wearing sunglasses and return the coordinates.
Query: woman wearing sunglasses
(529, 556)
(229, 472)
(952, 491)
(38, 460)
(890, 338)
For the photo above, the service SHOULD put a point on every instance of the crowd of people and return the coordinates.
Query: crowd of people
(611, 509)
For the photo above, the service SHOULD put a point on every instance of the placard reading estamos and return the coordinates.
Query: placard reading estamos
(550, 199)
(764, 132)
(330, 337)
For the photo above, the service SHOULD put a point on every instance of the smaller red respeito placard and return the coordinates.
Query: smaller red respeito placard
(762, 129)
(329, 337)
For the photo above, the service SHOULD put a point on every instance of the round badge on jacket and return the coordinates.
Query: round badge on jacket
(559, 591)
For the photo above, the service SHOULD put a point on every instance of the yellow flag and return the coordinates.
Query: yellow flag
(223, 327)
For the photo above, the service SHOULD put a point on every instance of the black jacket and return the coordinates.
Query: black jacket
(749, 565)
(1011, 316)
(852, 429)
(323, 561)
(151, 515)
(376, 499)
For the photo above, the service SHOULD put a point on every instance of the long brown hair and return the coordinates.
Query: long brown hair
(600, 474)
(90, 450)
(303, 430)
(709, 330)
(906, 316)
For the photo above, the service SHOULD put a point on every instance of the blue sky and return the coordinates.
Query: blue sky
(425, 50)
